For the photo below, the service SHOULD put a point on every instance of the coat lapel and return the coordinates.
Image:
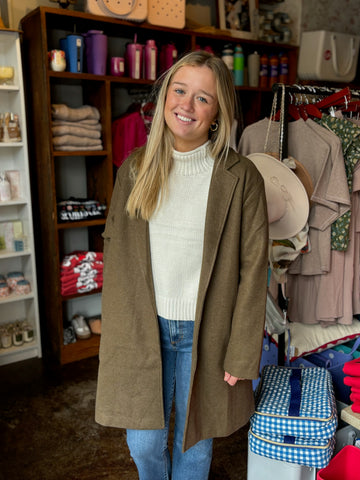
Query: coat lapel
(221, 191)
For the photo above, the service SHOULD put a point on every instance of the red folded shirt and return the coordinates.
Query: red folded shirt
(352, 381)
(352, 368)
(354, 399)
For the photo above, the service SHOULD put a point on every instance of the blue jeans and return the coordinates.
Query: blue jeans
(149, 448)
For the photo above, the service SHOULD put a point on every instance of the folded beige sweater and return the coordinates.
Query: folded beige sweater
(74, 148)
(76, 141)
(75, 130)
(90, 123)
(63, 112)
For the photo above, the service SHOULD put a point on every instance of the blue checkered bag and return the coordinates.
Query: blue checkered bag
(295, 418)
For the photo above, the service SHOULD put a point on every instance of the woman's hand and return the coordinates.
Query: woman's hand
(230, 379)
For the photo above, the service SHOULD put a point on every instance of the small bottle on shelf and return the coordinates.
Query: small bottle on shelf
(150, 59)
(283, 68)
(264, 70)
(227, 56)
(238, 66)
(254, 69)
(274, 70)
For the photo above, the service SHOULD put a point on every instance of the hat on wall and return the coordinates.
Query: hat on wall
(286, 197)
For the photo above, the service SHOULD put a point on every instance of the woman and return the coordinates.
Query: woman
(184, 280)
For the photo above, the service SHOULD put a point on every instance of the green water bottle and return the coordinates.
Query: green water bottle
(238, 66)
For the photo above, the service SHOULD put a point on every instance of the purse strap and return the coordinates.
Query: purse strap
(350, 58)
(355, 346)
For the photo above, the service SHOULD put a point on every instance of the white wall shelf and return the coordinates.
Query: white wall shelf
(15, 308)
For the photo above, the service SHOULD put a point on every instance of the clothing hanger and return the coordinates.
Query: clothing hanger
(353, 106)
(336, 99)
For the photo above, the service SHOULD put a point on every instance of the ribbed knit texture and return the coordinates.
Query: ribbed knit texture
(177, 234)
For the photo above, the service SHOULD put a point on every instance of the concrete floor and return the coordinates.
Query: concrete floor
(48, 432)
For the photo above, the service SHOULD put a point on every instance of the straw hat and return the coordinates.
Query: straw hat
(286, 197)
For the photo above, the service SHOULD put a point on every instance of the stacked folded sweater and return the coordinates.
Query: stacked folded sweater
(352, 379)
(76, 128)
(81, 272)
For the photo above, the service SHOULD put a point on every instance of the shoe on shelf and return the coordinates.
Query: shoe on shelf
(95, 324)
(82, 331)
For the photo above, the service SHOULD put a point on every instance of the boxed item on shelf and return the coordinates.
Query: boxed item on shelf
(9, 127)
(77, 209)
(10, 232)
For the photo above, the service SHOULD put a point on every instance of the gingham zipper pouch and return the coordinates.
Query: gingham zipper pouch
(315, 454)
(295, 402)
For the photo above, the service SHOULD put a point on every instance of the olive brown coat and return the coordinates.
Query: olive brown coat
(230, 311)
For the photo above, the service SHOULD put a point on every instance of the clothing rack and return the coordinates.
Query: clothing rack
(285, 90)
(283, 101)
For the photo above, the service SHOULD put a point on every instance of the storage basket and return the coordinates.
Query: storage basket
(328, 56)
(333, 359)
(344, 466)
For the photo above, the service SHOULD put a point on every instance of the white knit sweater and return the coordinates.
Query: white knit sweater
(177, 234)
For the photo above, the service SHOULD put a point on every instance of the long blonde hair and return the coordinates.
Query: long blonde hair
(152, 164)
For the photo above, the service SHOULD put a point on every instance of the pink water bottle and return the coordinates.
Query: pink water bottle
(150, 60)
(168, 56)
(134, 52)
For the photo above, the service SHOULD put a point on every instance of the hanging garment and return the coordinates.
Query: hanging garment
(333, 297)
(349, 135)
(128, 133)
(330, 198)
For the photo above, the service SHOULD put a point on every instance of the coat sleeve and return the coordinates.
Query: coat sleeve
(243, 353)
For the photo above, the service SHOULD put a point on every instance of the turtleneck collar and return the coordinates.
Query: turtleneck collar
(193, 162)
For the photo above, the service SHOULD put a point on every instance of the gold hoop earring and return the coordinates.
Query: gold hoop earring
(214, 126)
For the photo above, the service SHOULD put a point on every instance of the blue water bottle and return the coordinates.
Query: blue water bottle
(238, 66)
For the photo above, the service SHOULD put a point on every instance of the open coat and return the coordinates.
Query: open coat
(230, 313)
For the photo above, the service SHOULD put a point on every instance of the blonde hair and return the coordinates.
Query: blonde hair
(152, 164)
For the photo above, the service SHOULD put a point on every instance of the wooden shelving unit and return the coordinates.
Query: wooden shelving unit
(43, 29)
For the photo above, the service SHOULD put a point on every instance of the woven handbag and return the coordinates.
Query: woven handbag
(134, 10)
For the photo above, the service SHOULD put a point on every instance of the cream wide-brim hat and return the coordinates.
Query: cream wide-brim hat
(286, 197)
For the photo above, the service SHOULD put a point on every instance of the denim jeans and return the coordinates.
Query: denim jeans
(149, 448)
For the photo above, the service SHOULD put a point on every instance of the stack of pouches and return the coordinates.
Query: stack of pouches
(352, 379)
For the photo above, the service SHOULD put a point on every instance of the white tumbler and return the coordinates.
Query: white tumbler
(253, 69)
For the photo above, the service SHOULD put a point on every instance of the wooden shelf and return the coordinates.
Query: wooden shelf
(350, 417)
(81, 224)
(66, 298)
(80, 350)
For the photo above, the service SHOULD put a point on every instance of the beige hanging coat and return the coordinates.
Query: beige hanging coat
(230, 311)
